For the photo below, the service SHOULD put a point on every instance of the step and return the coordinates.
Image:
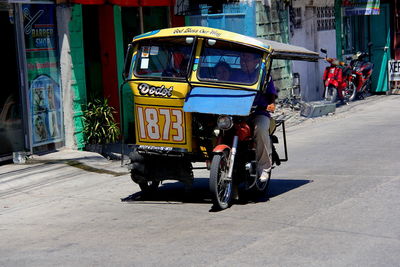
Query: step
(317, 109)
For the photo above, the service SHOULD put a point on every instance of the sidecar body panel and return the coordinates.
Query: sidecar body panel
(159, 116)
(219, 101)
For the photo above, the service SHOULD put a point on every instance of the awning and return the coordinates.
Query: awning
(291, 52)
(132, 3)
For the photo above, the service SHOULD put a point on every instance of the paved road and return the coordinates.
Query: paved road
(335, 203)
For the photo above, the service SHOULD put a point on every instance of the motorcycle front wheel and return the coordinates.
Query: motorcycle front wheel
(220, 185)
(351, 91)
(330, 94)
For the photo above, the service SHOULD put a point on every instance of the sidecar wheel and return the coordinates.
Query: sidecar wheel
(149, 186)
(220, 187)
(330, 94)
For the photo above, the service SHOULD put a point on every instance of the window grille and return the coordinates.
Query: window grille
(325, 18)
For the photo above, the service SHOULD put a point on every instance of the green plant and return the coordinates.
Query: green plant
(100, 126)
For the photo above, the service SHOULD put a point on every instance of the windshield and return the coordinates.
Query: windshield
(226, 62)
(168, 57)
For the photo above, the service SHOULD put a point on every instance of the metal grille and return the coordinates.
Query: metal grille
(325, 18)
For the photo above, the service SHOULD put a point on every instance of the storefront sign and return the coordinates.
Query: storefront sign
(394, 70)
(43, 73)
(361, 7)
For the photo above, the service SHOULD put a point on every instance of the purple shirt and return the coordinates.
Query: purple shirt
(263, 99)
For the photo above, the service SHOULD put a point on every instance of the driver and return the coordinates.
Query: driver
(249, 63)
(264, 103)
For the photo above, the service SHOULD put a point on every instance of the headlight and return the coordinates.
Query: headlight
(224, 122)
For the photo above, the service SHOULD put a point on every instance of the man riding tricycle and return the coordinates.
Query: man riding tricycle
(201, 95)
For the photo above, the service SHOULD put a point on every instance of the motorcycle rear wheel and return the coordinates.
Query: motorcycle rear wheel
(262, 187)
(330, 94)
(220, 186)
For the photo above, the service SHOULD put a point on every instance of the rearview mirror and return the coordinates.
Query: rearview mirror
(323, 50)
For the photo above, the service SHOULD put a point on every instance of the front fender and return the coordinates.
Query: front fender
(331, 82)
(220, 149)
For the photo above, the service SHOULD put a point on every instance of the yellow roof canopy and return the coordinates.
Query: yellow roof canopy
(278, 50)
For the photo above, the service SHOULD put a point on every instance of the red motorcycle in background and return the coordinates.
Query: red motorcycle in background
(362, 71)
(338, 80)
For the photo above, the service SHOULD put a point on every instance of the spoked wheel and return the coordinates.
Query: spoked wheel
(351, 92)
(220, 186)
(330, 94)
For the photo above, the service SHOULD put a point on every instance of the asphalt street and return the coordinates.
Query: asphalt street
(336, 202)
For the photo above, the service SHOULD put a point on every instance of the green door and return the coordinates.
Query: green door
(380, 37)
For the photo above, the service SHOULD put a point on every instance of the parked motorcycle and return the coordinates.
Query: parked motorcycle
(338, 80)
(362, 71)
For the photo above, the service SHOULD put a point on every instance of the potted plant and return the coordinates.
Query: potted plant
(100, 127)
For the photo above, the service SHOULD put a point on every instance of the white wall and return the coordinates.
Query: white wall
(308, 37)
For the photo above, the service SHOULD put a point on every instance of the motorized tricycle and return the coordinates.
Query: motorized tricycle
(187, 111)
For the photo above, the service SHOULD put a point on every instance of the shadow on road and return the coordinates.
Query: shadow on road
(176, 193)
(281, 186)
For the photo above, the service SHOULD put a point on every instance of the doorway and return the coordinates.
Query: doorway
(363, 29)
(11, 126)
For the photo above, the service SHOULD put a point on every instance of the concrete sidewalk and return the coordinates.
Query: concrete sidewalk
(88, 161)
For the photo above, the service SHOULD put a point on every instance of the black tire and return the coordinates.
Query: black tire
(261, 187)
(149, 187)
(221, 189)
(331, 94)
(351, 91)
